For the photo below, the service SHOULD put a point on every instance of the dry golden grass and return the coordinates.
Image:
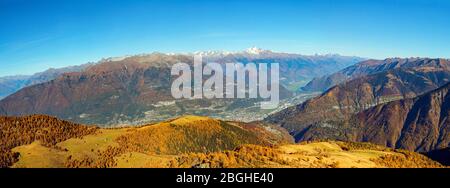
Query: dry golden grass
(18, 131)
(153, 144)
(406, 159)
(308, 155)
(90, 145)
(140, 160)
(35, 155)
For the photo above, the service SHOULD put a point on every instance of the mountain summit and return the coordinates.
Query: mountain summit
(256, 51)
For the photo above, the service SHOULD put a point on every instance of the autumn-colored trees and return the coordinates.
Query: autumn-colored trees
(105, 159)
(16, 131)
(243, 156)
(406, 159)
(182, 136)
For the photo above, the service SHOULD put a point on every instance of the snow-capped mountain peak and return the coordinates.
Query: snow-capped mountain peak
(256, 51)
(220, 53)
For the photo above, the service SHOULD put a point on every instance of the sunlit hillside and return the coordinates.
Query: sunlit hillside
(189, 141)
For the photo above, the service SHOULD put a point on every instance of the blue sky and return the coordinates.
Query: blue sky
(39, 34)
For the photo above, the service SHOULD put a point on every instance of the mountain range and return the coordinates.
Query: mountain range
(372, 67)
(136, 89)
(367, 89)
(401, 107)
(12, 84)
(419, 124)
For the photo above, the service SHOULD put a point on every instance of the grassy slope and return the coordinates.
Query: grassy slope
(193, 141)
(190, 134)
(149, 144)
(89, 146)
(35, 155)
(311, 155)
(48, 131)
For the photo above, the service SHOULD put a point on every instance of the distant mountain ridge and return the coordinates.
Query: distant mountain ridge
(11, 84)
(133, 88)
(371, 67)
(311, 66)
(327, 64)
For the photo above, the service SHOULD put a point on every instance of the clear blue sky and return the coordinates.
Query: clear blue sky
(38, 34)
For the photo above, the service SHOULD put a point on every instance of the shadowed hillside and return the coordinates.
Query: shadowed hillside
(420, 124)
(404, 79)
(440, 155)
